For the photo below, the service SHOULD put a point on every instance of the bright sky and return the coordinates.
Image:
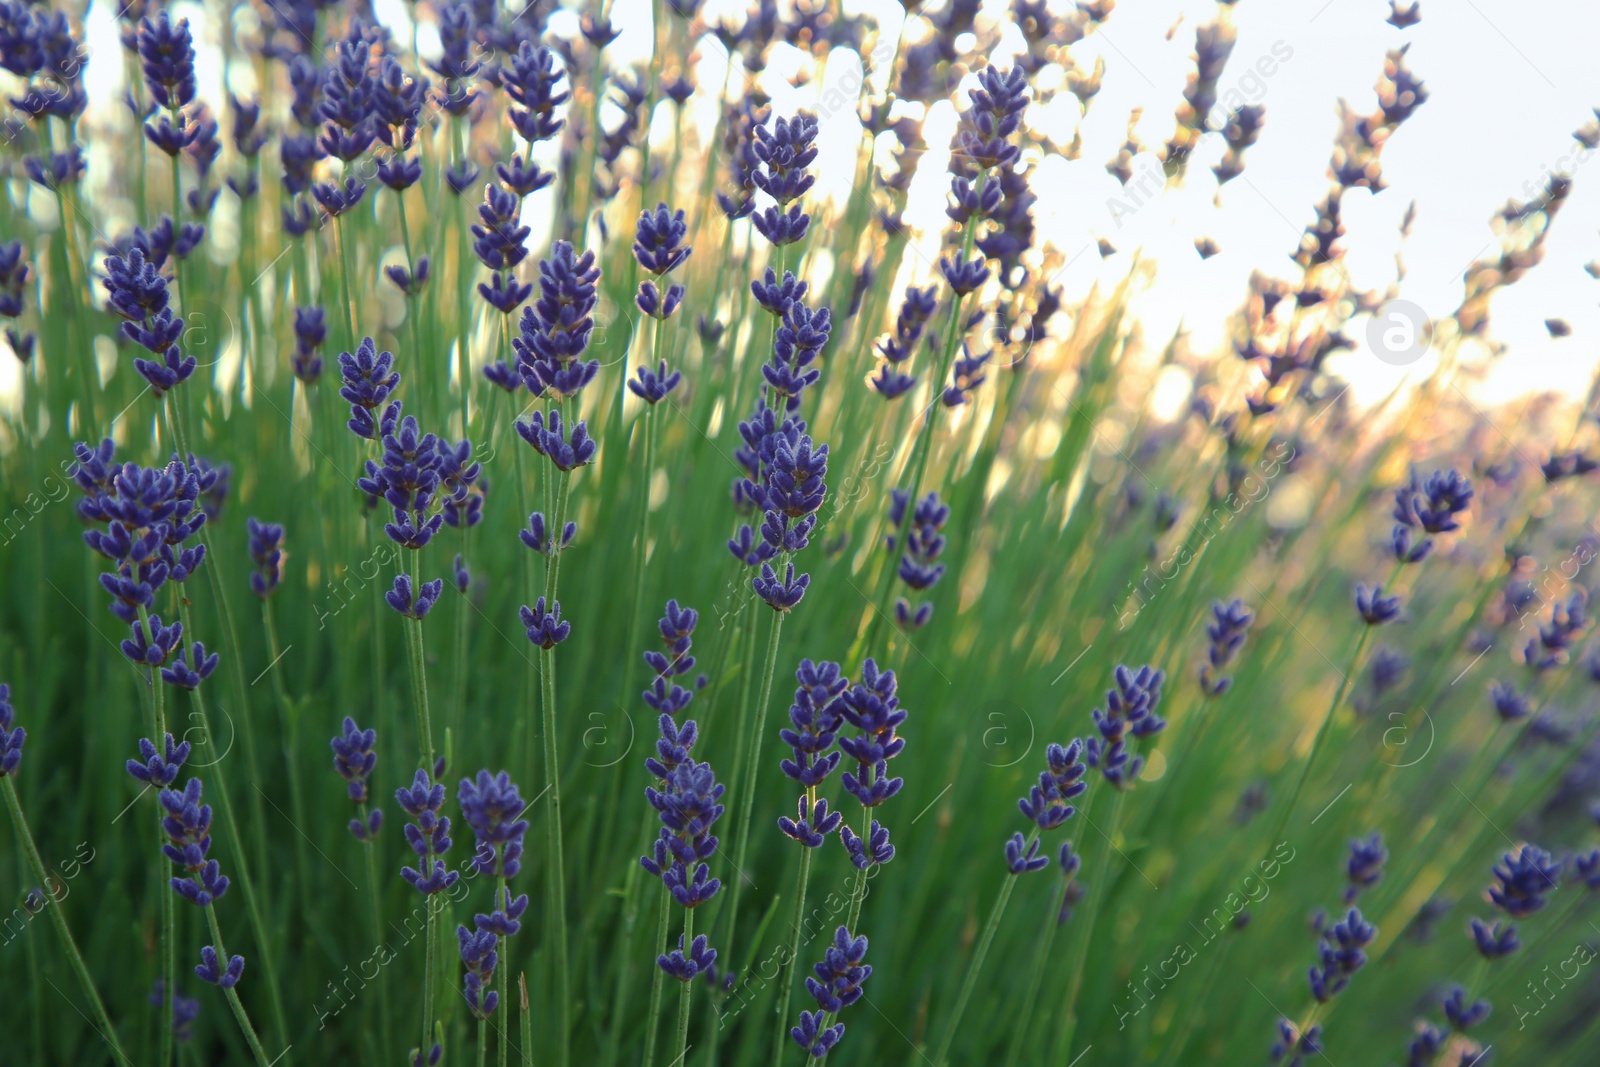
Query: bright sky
(1509, 82)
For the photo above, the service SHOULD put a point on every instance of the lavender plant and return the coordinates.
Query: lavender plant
(577, 280)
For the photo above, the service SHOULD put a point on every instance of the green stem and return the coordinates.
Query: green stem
(556, 897)
(463, 298)
(412, 308)
(642, 544)
(74, 957)
(91, 373)
(505, 1003)
(416, 657)
(657, 983)
(751, 761)
(169, 917)
(288, 718)
(781, 1038)
(1019, 1037)
(924, 446)
(685, 996)
(348, 273)
(233, 994)
(858, 894)
(235, 667)
(1081, 944)
(1339, 693)
(247, 884)
(369, 851)
(427, 973)
(975, 965)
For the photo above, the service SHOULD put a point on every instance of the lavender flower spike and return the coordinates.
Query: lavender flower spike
(837, 985)
(492, 807)
(428, 836)
(12, 737)
(210, 969)
(160, 768)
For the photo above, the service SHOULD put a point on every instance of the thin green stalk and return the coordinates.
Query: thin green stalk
(647, 420)
(177, 219)
(134, 76)
(525, 562)
(349, 296)
(685, 996)
(1019, 1036)
(1340, 692)
(658, 983)
(247, 885)
(463, 298)
(858, 894)
(505, 1003)
(91, 373)
(458, 707)
(169, 922)
(416, 658)
(234, 1002)
(781, 1038)
(382, 711)
(924, 446)
(169, 908)
(556, 898)
(74, 957)
(235, 668)
(412, 308)
(288, 717)
(942, 1055)
(1081, 944)
(31, 946)
(752, 762)
(369, 852)
(417, 661)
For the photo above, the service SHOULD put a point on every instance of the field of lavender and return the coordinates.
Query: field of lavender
(500, 566)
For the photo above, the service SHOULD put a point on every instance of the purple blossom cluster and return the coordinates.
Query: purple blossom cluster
(354, 756)
(837, 985)
(897, 348)
(137, 292)
(492, 808)
(428, 835)
(1227, 630)
(784, 480)
(920, 542)
(15, 274)
(149, 515)
(1129, 712)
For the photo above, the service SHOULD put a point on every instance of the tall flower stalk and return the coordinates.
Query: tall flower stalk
(1128, 717)
(555, 334)
(687, 800)
(12, 738)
